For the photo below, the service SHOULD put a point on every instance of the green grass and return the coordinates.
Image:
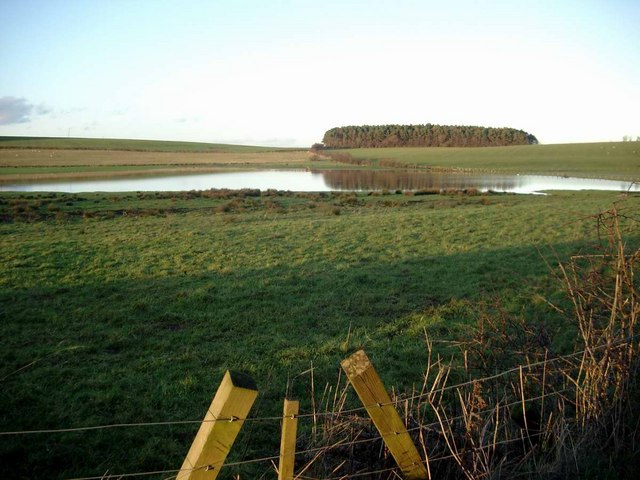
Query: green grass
(620, 160)
(129, 307)
(127, 145)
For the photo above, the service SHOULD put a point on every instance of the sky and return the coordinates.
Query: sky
(282, 72)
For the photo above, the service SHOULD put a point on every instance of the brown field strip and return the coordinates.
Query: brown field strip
(93, 158)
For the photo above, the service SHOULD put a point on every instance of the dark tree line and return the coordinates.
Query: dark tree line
(376, 136)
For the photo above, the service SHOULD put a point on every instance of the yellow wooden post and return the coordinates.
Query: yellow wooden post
(377, 402)
(288, 440)
(220, 427)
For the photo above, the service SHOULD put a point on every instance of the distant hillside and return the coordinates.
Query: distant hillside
(64, 143)
(377, 136)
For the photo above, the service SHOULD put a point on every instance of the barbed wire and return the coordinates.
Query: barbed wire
(511, 370)
(429, 425)
(326, 448)
(106, 476)
(340, 443)
(312, 414)
(344, 443)
(427, 461)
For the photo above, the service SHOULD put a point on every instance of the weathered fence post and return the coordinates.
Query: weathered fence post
(220, 427)
(288, 440)
(377, 402)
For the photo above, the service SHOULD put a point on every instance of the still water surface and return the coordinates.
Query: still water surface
(328, 180)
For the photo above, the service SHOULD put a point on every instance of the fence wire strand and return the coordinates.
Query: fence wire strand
(302, 415)
(327, 448)
(340, 443)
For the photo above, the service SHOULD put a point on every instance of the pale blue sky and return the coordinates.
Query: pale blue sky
(283, 72)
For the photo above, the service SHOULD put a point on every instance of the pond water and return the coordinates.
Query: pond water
(328, 180)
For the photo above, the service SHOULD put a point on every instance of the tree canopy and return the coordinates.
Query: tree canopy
(429, 135)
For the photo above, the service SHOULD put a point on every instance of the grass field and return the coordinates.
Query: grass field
(36, 158)
(619, 160)
(23, 164)
(61, 143)
(129, 307)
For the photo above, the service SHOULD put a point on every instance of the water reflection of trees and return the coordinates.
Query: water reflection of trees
(380, 180)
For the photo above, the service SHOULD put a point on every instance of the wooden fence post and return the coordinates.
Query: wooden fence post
(288, 440)
(377, 402)
(220, 427)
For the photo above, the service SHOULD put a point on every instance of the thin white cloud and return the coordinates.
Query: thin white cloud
(91, 126)
(187, 120)
(43, 109)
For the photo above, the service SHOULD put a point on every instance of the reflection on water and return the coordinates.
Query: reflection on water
(379, 180)
(327, 180)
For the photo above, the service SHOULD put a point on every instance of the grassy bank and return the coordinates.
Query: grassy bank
(619, 160)
(129, 307)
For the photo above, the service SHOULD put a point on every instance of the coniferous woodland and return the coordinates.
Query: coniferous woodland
(377, 136)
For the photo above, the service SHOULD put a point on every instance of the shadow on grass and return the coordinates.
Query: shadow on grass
(156, 349)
